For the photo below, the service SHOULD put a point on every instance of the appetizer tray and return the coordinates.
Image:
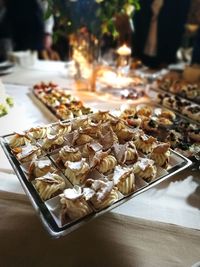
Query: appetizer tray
(184, 107)
(76, 170)
(178, 86)
(59, 102)
(167, 125)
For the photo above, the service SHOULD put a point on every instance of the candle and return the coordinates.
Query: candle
(124, 50)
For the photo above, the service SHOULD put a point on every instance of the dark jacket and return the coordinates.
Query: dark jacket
(171, 22)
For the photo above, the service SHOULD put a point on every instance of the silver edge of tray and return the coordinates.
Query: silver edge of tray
(45, 215)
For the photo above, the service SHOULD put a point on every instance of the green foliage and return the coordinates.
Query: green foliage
(103, 11)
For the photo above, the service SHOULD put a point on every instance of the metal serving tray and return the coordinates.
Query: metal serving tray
(177, 164)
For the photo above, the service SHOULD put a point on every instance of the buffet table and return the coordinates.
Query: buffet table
(160, 227)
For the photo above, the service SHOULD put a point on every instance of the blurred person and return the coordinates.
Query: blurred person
(23, 23)
(193, 29)
(159, 25)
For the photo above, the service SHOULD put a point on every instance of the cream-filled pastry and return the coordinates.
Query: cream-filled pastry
(145, 143)
(26, 153)
(161, 154)
(107, 164)
(77, 171)
(19, 139)
(67, 153)
(105, 193)
(74, 204)
(145, 168)
(124, 179)
(126, 154)
(40, 167)
(49, 185)
(38, 132)
(62, 128)
(52, 141)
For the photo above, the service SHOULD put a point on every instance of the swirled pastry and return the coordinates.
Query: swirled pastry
(27, 152)
(63, 128)
(67, 153)
(126, 153)
(83, 139)
(40, 167)
(124, 179)
(126, 134)
(49, 185)
(19, 139)
(107, 164)
(74, 205)
(118, 125)
(77, 171)
(52, 141)
(38, 132)
(145, 168)
(145, 143)
(161, 154)
(105, 193)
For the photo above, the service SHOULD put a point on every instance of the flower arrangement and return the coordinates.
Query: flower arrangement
(109, 10)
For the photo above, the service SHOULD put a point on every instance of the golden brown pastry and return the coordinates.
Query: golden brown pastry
(67, 153)
(74, 204)
(161, 154)
(19, 139)
(77, 171)
(145, 168)
(145, 143)
(40, 167)
(105, 193)
(124, 179)
(49, 185)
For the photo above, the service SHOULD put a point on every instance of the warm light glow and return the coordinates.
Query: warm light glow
(115, 80)
(124, 50)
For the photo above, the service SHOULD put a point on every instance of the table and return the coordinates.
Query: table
(161, 227)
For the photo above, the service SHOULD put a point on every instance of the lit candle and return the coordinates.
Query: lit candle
(124, 50)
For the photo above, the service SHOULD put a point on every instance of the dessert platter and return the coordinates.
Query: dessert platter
(178, 94)
(62, 104)
(181, 134)
(77, 169)
(177, 85)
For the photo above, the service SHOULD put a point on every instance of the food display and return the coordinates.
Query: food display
(77, 169)
(182, 106)
(166, 125)
(61, 104)
(180, 87)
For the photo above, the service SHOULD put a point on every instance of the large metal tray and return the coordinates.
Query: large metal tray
(177, 164)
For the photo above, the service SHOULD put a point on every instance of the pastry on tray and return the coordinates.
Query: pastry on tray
(40, 167)
(76, 171)
(105, 193)
(124, 179)
(145, 168)
(161, 154)
(49, 185)
(74, 204)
